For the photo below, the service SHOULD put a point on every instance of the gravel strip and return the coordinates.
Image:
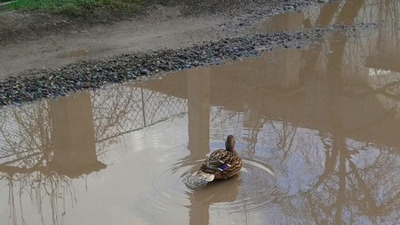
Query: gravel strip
(34, 85)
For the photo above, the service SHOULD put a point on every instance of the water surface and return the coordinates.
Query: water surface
(318, 130)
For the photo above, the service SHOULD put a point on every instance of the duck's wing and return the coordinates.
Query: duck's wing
(234, 163)
(215, 160)
(221, 164)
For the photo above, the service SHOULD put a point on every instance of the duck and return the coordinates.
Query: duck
(221, 164)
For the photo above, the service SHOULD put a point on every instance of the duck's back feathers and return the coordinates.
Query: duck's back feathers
(222, 163)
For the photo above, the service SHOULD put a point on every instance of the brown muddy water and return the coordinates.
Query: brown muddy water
(318, 130)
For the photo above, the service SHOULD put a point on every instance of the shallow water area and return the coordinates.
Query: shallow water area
(317, 130)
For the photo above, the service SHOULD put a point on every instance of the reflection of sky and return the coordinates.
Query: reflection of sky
(118, 193)
(304, 162)
(221, 145)
(366, 155)
(137, 159)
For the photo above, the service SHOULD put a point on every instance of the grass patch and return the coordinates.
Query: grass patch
(73, 7)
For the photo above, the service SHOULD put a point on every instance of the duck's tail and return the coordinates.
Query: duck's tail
(208, 177)
(199, 179)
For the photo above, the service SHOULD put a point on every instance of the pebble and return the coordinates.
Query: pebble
(144, 71)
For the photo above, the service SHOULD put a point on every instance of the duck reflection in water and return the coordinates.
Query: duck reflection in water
(219, 191)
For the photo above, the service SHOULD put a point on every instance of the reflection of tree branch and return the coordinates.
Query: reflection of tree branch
(119, 109)
(55, 187)
(381, 90)
(287, 134)
(314, 214)
(325, 17)
(363, 187)
(286, 137)
(11, 202)
(26, 129)
(330, 162)
(25, 151)
(341, 196)
(2, 165)
(350, 10)
(14, 150)
(327, 13)
(13, 170)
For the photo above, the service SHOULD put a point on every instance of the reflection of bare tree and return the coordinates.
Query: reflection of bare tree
(358, 180)
(358, 177)
(347, 172)
(344, 190)
(347, 188)
(253, 123)
(51, 189)
(286, 133)
(350, 180)
(26, 150)
(111, 111)
(31, 134)
(44, 146)
(130, 107)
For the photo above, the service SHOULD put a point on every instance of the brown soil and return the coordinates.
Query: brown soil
(37, 40)
(163, 28)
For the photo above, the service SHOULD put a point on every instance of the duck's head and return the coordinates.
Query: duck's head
(230, 143)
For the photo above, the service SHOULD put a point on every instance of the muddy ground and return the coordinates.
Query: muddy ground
(34, 40)
(44, 55)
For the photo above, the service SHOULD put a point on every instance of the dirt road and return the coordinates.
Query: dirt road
(163, 27)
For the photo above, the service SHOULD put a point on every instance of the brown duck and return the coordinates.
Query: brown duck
(222, 163)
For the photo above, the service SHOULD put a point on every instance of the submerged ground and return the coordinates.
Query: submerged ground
(315, 110)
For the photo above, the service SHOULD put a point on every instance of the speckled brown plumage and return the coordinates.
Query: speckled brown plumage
(221, 157)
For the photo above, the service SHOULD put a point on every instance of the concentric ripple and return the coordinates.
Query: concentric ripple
(175, 190)
(259, 186)
(168, 194)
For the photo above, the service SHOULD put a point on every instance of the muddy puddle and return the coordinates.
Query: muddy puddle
(318, 131)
